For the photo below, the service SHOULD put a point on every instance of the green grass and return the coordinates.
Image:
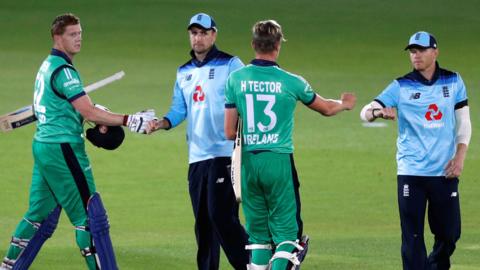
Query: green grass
(347, 172)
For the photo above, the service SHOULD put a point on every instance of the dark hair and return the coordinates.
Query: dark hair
(61, 22)
(266, 35)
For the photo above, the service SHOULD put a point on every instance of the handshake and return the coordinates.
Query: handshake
(138, 122)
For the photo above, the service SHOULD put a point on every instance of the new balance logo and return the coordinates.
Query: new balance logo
(220, 180)
(189, 77)
(454, 194)
(211, 74)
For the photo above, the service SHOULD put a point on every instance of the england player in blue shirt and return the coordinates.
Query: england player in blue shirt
(434, 131)
(199, 97)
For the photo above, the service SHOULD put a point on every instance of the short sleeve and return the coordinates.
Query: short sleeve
(390, 95)
(461, 93)
(304, 92)
(235, 64)
(229, 93)
(68, 84)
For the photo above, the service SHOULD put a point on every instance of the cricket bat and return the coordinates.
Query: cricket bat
(236, 167)
(25, 115)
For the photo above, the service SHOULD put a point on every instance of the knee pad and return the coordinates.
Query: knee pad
(32, 246)
(296, 257)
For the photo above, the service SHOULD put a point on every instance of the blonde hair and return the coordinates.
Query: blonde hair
(266, 35)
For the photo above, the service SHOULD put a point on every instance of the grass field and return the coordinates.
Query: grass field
(347, 172)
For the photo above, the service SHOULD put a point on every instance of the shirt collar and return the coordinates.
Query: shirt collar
(419, 77)
(263, 63)
(210, 55)
(61, 54)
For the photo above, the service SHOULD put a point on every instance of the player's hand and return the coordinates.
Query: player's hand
(157, 124)
(138, 122)
(348, 100)
(454, 168)
(152, 126)
(386, 113)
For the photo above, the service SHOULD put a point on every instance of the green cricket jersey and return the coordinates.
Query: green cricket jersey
(57, 85)
(265, 96)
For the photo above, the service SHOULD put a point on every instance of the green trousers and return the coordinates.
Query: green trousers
(62, 175)
(270, 203)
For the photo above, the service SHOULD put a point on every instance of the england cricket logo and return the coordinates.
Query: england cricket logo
(406, 191)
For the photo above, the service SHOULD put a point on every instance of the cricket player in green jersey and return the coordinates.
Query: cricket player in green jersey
(264, 96)
(62, 175)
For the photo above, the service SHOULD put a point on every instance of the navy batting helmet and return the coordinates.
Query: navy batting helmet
(109, 139)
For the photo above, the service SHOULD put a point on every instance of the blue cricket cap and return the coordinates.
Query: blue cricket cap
(204, 21)
(422, 39)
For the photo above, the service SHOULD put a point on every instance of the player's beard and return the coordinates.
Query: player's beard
(201, 49)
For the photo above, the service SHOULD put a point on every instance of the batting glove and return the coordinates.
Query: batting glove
(138, 122)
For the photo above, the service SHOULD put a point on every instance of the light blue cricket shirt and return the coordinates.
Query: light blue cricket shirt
(426, 120)
(199, 97)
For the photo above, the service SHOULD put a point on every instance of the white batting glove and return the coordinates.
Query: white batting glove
(138, 122)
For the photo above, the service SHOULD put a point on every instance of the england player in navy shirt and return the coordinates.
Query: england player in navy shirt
(199, 97)
(434, 131)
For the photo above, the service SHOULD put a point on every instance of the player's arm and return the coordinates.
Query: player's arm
(230, 123)
(383, 106)
(463, 134)
(135, 122)
(375, 110)
(330, 107)
(91, 113)
(67, 84)
(231, 111)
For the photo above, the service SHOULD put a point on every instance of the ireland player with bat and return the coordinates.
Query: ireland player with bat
(264, 96)
(62, 175)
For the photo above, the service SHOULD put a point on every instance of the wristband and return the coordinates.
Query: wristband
(373, 112)
(125, 120)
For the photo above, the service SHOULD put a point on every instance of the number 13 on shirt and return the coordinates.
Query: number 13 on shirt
(270, 99)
